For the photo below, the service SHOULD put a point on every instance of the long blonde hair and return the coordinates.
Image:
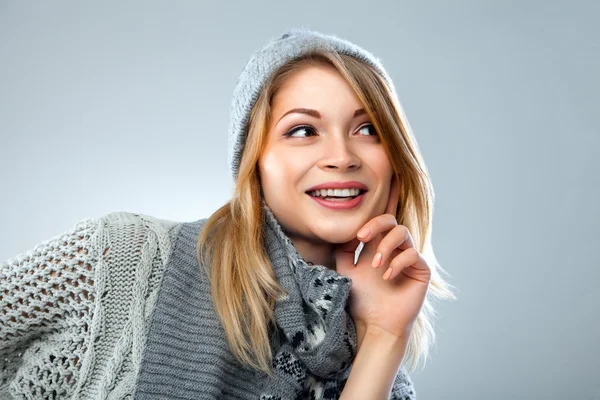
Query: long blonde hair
(243, 283)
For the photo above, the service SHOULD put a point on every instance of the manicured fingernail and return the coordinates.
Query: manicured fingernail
(387, 273)
(376, 260)
(363, 233)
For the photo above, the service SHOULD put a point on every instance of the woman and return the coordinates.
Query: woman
(265, 298)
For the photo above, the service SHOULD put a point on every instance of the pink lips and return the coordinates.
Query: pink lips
(340, 205)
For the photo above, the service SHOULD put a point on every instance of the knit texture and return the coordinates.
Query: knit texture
(119, 308)
(263, 63)
(187, 355)
(74, 310)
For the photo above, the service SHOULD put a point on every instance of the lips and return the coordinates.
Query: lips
(340, 205)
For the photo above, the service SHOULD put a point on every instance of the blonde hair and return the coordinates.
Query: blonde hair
(243, 283)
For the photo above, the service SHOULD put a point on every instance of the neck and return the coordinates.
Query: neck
(315, 254)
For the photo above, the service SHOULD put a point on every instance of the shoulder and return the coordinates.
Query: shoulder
(132, 219)
(95, 235)
(119, 220)
(134, 230)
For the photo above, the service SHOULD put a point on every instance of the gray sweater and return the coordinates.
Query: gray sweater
(187, 356)
(118, 308)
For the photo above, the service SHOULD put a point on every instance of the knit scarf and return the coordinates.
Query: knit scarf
(320, 336)
(187, 356)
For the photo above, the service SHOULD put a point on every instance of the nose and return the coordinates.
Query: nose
(338, 154)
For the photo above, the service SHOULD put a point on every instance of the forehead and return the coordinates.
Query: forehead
(314, 86)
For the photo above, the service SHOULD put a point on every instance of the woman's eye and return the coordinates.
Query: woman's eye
(369, 126)
(300, 129)
(311, 130)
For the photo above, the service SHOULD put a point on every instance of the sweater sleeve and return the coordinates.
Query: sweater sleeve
(47, 294)
(403, 388)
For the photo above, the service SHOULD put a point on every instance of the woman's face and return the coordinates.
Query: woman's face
(338, 146)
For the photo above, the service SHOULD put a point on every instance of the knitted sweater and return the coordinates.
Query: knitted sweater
(118, 307)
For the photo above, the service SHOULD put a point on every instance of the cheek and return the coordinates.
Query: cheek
(276, 170)
(380, 164)
(383, 172)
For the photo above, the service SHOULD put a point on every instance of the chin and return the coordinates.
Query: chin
(335, 234)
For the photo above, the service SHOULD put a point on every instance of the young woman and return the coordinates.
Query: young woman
(314, 281)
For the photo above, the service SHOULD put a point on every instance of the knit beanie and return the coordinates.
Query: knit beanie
(292, 44)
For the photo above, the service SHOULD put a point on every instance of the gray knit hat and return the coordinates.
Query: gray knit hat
(292, 44)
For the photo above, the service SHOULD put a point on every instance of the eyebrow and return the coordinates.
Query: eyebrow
(316, 114)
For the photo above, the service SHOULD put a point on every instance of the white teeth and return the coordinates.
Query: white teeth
(335, 192)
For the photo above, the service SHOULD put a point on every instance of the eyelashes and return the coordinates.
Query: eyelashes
(311, 129)
(299, 128)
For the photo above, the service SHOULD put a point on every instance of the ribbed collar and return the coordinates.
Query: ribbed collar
(319, 333)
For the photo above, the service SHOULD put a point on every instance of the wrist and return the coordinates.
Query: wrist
(377, 333)
(381, 342)
(375, 365)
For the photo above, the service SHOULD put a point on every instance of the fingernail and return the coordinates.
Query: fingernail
(376, 260)
(363, 233)
(387, 273)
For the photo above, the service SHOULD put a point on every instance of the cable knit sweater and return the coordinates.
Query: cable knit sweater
(119, 308)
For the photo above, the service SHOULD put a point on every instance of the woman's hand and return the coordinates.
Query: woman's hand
(384, 299)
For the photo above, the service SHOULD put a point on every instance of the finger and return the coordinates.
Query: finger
(347, 247)
(344, 256)
(399, 238)
(379, 224)
(408, 258)
(393, 198)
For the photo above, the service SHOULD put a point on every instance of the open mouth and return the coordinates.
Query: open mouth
(337, 198)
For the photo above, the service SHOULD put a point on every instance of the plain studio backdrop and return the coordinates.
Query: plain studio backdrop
(124, 106)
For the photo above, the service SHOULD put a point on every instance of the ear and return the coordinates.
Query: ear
(394, 197)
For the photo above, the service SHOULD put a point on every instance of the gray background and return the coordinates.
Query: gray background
(124, 106)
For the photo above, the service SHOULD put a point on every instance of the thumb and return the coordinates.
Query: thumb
(344, 256)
